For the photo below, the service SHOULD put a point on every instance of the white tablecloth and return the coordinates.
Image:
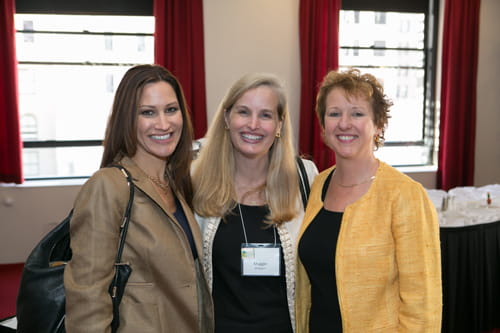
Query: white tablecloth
(467, 205)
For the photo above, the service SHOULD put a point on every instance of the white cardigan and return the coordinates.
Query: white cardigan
(287, 231)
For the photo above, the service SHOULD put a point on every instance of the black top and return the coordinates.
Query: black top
(253, 304)
(317, 253)
(181, 218)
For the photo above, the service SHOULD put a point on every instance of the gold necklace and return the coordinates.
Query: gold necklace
(162, 185)
(353, 185)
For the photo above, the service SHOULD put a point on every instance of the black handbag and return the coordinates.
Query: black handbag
(41, 299)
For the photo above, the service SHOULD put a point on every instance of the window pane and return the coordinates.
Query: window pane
(390, 46)
(399, 29)
(61, 162)
(90, 23)
(68, 102)
(403, 156)
(45, 47)
(377, 57)
(69, 69)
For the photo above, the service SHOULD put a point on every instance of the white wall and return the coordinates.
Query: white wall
(487, 160)
(27, 214)
(243, 36)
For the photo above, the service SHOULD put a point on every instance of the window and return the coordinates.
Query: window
(69, 68)
(396, 45)
(356, 17)
(29, 127)
(355, 51)
(379, 48)
(380, 17)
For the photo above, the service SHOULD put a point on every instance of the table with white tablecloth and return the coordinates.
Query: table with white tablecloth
(470, 257)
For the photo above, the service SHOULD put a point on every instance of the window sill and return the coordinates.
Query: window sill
(417, 169)
(47, 183)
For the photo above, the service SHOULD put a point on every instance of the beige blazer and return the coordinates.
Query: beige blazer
(387, 261)
(167, 290)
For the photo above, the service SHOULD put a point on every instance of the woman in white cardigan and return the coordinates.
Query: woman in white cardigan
(249, 207)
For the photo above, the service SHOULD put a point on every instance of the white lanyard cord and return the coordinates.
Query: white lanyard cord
(245, 232)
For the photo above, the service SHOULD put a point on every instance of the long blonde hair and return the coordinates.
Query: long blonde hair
(214, 169)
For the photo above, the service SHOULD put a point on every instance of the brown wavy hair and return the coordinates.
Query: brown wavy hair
(356, 84)
(121, 131)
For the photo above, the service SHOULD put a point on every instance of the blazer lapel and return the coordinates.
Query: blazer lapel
(145, 185)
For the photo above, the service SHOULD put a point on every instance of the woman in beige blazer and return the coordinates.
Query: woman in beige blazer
(149, 133)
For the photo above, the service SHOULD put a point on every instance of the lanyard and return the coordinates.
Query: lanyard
(244, 231)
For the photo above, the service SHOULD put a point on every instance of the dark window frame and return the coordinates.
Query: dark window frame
(430, 9)
(78, 7)
(86, 7)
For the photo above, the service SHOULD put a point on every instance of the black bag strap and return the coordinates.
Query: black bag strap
(126, 217)
(303, 181)
(122, 271)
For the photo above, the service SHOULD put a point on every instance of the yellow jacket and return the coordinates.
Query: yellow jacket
(388, 260)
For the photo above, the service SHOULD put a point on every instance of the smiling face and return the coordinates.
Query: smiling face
(159, 122)
(349, 126)
(253, 122)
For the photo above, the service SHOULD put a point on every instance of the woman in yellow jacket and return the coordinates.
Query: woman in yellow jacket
(368, 248)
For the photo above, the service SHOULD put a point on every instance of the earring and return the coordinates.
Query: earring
(378, 140)
(278, 134)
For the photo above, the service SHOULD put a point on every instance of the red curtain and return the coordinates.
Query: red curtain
(179, 47)
(10, 139)
(319, 45)
(458, 94)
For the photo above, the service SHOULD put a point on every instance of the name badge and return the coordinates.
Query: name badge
(260, 259)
